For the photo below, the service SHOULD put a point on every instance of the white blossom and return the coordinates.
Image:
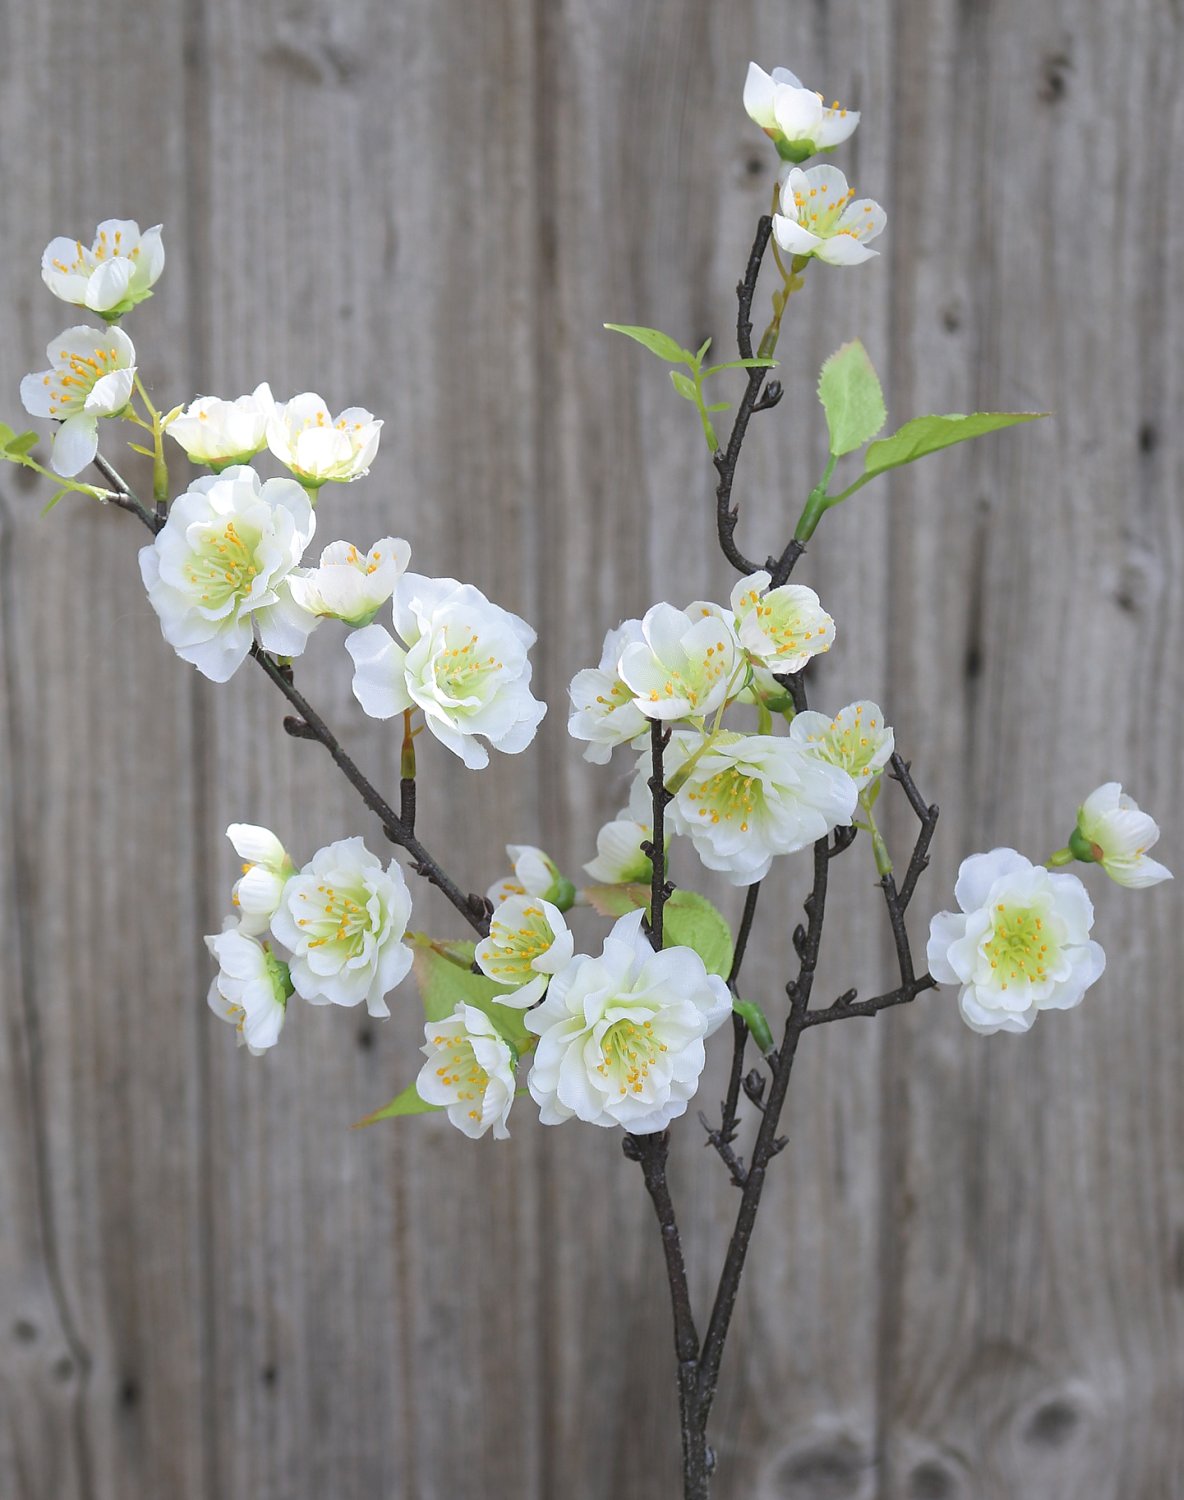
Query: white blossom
(250, 990)
(218, 433)
(794, 117)
(687, 664)
(857, 739)
(343, 918)
(218, 572)
(350, 585)
(266, 870)
(780, 628)
(621, 1036)
(620, 859)
(1118, 834)
(603, 708)
(460, 659)
(749, 798)
(818, 217)
(534, 874)
(1019, 945)
(319, 447)
(469, 1071)
(528, 941)
(91, 375)
(118, 270)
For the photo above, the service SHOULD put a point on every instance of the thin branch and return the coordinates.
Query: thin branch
(125, 497)
(660, 888)
(845, 1010)
(927, 815)
(312, 726)
(721, 1139)
(726, 459)
(651, 1152)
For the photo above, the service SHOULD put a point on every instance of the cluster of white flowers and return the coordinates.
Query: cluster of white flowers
(741, 799)
(341, 920)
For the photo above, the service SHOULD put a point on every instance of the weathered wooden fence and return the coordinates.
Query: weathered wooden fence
(969, 1278)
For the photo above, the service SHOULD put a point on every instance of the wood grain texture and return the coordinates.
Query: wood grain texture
(967, 1278)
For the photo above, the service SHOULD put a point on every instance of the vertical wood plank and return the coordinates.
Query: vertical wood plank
(100, 1330)
(1031, 1267)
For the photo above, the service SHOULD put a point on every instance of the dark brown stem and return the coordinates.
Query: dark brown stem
(660, 888)
(651, 1152)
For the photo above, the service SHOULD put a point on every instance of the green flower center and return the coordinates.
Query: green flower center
(460, 1070)
(628, 1050)
(223, 565)
(518, 947)
(1020, 948)
(459, 668)
(728, 797)
(337, 916)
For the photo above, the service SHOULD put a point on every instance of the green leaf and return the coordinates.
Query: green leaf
(406, 1103)
(758, 363)
(60, 495)
(445, 981)
(690, 921)
(720, 406)
(22, 445)
(849, 390)
(616, 900)
(655, 341)
(684, 385)
(6, 435)
(702, 350)
(930, 434)
(754, 1018)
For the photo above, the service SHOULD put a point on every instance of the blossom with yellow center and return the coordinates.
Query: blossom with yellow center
(795, 118)
(218, 572)
(818, 217)
(780, 628)
(469, 1072)
(620, 858)
(250, 990)
(621, 1036)
(109, 277)
(528, 942)
(342, 917)
(91, 375)
(318, 447)
(460, 659)
(748, 798)
(857, 739)
(687, 664)
(352, 585)
(1020, 943)
(218, 433)
(603, 708)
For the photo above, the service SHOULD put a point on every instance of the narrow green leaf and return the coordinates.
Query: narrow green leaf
(702, 350)
(690, 921)
(6, 435)
(406, 1103)
(720, 406)
(445, 981)
(60, 495)
(137, 448)
(925, 435)
(757, 363)
(684, 385)
(655, 341)
(849, 390)
(754, 1018)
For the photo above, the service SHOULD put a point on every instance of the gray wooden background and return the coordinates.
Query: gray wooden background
(968, 1280)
